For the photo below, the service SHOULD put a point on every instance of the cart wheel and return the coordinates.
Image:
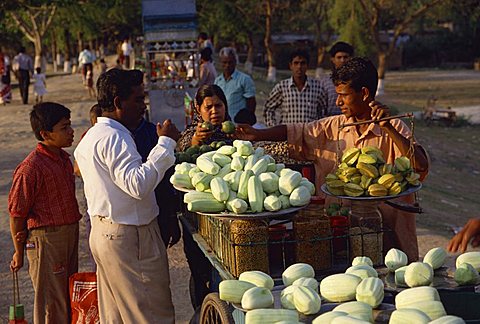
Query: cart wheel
(215, 311)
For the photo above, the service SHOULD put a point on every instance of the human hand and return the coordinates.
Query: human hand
(168, 129)
(379, 111)
(202, 134)
(245, 132)
(174, 232)
(21, 236)
(17, 262)
(470, 232)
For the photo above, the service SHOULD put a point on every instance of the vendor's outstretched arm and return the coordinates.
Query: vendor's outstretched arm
(275, 133)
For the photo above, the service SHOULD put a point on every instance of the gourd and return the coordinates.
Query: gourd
(221, 159)
(227, 150)
(395, 259)
(207, 165)
(269, 182)
(296, 271)
(362, 260)
(449, 319)
(255, 194)
(300, 196)
(306, 300)
(181, 180)
(408, 315)
(201, 181)
(237, 205)
(339, 287)
(307, 184)
(348, 320)
(272, 203)
(433, 309)
(466, 274)
(226, 169)
(362, 271)
(418, 274)
(307, 282)
(370, 291)
(258, 278)
(327, 318)
(357, 309)
(289, 181)
(400, 276)
(271, 316)
(469, 257)
(286, 297)
(435, 257)
(237, 163)
(257, 297)
(243, 184)
(244, 148)
(220, 190)
(196, 195)
(250, 162)
(285, 200)
(260, 166)
(418, 294)
(233, 290)
(206, 206)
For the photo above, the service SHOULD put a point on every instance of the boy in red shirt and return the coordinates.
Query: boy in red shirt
(42, 201)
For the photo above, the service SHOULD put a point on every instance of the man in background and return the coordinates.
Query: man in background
(238, 87)
(85, 60)
(296, 99)
(23, 66)
(340, 53)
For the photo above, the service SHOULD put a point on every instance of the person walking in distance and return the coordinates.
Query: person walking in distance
(127, 51)
(42, 201)
(85, 60)
(39, 85)
(23, 66)
(125, 240)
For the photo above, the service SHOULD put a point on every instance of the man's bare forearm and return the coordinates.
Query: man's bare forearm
(275, 133)
(17, 225)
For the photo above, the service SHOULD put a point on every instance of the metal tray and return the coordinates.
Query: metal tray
(182, 189)
(404, 193)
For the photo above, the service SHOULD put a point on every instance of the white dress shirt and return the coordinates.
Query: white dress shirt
(117, 185)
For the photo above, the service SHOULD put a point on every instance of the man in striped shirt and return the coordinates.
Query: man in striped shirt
(296, 99)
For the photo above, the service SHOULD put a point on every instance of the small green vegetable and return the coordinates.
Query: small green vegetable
(207, 125)
(228, 127)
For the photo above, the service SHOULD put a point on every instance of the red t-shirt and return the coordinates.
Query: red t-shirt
(43, 190)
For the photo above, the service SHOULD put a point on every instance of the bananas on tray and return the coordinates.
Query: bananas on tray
(363, 172)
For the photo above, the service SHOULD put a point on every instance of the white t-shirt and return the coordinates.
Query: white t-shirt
(127, 48)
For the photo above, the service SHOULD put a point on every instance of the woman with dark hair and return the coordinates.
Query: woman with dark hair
(210, 105)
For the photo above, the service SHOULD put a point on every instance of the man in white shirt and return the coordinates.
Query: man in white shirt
(132, 266)
(127, 51)
(86, 59)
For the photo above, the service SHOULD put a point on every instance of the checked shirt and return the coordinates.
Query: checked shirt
(293, 105)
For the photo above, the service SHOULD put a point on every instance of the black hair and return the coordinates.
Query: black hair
(21, 49)
(341, 47)
(206, 54)
(45, 115)
(102, 60)
(300, 53)
(116, 83)
(95, 111)
(210, 91)
(87, 47)
(357, 72)
(202, 35)
(245, 116)
(38, 70)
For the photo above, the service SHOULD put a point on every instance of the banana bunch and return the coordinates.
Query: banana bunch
(364, 172)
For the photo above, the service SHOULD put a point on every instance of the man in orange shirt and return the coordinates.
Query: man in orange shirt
(322, 140)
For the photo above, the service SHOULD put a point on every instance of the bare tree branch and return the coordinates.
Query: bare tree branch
(23, 27)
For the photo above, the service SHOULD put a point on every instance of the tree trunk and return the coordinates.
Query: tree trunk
(38, 53)
(382, 65)
(250, 55)
(54, 52)
(320, 56)
(67, 63)
(272, 71)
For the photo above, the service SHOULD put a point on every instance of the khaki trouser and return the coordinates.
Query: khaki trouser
(52, 254)
(132, 273)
